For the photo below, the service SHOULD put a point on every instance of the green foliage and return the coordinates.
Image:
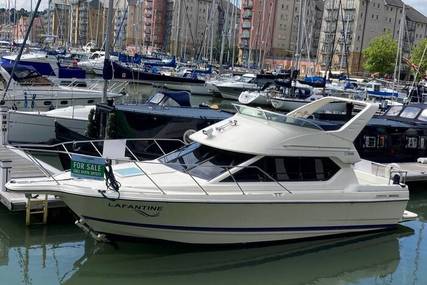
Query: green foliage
(92, 126)
(112, 126)
(380, 55)
(416, 55)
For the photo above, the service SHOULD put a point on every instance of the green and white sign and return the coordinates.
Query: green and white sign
(88, 167)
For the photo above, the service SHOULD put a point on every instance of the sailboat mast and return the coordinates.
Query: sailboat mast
(224, 30)
(21, 50)
(212, 31)
(262, 33)
(298, 48)
(234, 36)
(48, 18)
(396, 75)
(107, 47)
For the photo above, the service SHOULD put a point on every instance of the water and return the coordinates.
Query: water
(60, 253)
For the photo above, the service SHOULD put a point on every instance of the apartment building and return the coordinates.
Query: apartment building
(37, 29)
(279, 29)
(349, 26)
(197, 28)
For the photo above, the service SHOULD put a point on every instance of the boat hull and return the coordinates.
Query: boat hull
(35, 128)
(233, 92)
(223, 223)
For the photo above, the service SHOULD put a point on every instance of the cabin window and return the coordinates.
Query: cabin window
(287, 169)
(47, 103)
(157, 98)
(411, 142)
(423, 142)
(423, 116)
(203, 161)
(410, 112)
(64, 102)
(394, 111)
(381, 141)
(370, 141)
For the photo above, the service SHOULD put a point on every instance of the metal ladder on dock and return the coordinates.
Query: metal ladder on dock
(36, 207)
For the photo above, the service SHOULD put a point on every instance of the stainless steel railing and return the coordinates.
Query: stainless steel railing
(61, 148)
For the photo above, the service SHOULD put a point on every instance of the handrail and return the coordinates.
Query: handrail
(136, 162)
(93, 141)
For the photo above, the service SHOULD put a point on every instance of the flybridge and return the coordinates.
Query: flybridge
(275, 117)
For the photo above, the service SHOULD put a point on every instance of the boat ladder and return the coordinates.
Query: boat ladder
(36, 206)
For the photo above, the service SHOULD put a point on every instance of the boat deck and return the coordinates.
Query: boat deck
(13, 165)
(416, 172)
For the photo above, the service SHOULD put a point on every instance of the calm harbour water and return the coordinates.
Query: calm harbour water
(59, 253)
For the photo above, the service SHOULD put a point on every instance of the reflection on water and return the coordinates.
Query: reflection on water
(62, 254)
(351, 258)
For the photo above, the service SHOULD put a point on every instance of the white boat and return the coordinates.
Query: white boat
(95, 63)
(259, 176)
(39, 127)
(231, 89)
(291, 103)
(30, 91)
(260, 97)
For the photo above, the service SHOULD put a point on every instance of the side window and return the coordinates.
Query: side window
(287, 169)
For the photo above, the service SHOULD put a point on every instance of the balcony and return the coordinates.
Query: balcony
(246, 25)
(248, 5)
(247, 15)
(245, 35)
(148, 15)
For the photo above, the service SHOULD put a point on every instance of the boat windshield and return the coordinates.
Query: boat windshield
(203, 161)
(394, 111)
(410, 112)
(30, 77)
(276, 117)
(246, 78)
(423, 116)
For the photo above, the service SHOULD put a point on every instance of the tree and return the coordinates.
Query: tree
(380, 55)
(417, 56)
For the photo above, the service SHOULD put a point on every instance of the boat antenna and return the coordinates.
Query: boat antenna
(21, 50)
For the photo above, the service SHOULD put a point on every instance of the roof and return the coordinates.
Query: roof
(397, 3)
(415, 16)
(272, 134)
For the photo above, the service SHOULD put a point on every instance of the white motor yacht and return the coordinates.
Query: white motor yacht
(39, 127)
(259, 176)
(31, 91)
(231, 89)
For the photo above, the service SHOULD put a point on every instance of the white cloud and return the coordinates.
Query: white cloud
(26, 4)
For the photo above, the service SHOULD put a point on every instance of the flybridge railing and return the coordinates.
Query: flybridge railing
(64, 148)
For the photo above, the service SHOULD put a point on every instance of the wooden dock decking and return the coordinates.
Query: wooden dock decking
(20, 167)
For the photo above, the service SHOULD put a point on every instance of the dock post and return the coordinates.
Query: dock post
(4, 114)
(5, 166)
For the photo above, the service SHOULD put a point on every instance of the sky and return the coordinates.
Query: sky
(420, 5)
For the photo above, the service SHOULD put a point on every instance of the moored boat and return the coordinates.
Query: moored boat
(292, 180)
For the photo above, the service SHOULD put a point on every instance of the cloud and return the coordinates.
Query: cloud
(26, 4)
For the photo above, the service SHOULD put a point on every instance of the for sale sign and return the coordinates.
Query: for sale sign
(88, 167)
